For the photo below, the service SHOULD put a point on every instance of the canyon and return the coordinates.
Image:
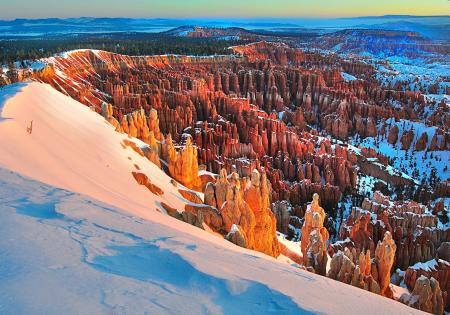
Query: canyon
(274, 139)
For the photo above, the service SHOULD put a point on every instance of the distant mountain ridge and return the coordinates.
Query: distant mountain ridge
(380, 42)
(436, 27)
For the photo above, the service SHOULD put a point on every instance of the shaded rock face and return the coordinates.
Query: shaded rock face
(405, 234)
(346, 267)
(426, 296)
(393, 134)
(236, 236)
(282, 213)
(443, 251)
(316, 259)
(314, 237)
(437, 269)
(413, 230)
(407, 139)
(373, 275)
(422, 142)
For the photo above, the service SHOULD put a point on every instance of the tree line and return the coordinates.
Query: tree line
(128, 44)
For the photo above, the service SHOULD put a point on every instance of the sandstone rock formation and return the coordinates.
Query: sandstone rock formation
(346, 267)
(235, 211)
(426, 296)
(256, 195)
(414, 231)
(314, 237)
(313, 223)
(384, 259)
(236, 236)
(437, 269)
(183, 164)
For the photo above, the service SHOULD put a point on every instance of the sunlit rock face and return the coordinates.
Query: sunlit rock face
(245, 210)
(256, 194)
(182, 164)
(384, 259)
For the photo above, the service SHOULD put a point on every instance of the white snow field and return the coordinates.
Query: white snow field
(79, 236)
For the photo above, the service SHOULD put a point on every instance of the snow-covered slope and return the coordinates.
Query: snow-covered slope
(73, 148)
(64, 253)
(82, 237)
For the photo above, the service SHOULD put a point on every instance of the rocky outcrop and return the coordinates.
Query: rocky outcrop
(235, 211)
(282, 212)
(256, 195)
(406, 139)
(393, 134)
(183, 164)
(414, 231)
(438, 269)
(422, 142)
(143, 179)
(153, 151)
(426, 296)
(107, 113)
(346, 267)
(384, 259)
(236, 236)
(246, 206)
(314, 237)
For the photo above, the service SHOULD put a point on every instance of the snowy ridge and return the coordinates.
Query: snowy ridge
(102, 245)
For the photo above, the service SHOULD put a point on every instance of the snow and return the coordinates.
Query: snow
(409, 160)
(348, 77)
(65, 149)
(398, 291)
(206, 173)
(429, 266)
(418, 73)
(366, 184)
(80, 236)
(234, 229)
(37, 65)
(63, 252)
(291, 245)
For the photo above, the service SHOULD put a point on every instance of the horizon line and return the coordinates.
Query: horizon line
(224, 17)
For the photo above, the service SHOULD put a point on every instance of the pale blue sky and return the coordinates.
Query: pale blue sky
(218, 8)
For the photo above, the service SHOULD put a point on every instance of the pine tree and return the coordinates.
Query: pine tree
(12, 74)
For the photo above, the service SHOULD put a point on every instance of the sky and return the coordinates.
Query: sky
(11, 9)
